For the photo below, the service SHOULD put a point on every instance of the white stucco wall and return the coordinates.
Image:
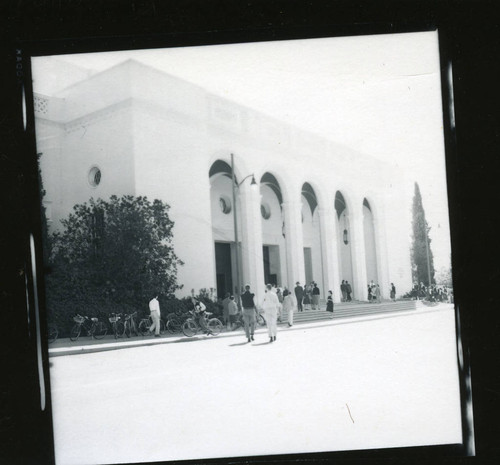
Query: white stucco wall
(157, 136)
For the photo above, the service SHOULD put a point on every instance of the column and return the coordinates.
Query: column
(381, 250)
(329, 252)
(251, 240)
(294, 243)
(358, 254)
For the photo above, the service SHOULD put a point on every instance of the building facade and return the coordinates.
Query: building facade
(306, 208)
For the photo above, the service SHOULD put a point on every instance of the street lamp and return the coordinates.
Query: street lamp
(427, 254)
(235, 186)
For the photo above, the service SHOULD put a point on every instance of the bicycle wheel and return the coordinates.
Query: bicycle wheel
(75, 332)
(189, 328)
(52, 333)
(119, 329)
(261, 321)
(100, 330)
(174, 325)
(215, 326)
(144, 327)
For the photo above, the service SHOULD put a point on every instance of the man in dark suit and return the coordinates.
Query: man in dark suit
(343, 291)
(348, 290)
(299, 295)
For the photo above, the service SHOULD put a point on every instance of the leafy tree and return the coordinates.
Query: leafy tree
(112, 256)
(421, 253)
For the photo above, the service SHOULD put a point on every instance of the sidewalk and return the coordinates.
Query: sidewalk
(86, 345)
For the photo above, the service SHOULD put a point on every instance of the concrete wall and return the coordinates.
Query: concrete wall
(154, 135)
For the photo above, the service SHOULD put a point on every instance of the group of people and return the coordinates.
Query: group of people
(276, 304)
(431, 293)
(346, 291)
(374, 295)
(307, 296)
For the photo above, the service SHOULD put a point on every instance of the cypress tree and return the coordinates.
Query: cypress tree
(421, 253)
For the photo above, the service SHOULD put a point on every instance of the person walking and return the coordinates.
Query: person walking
(329, 302)
(270, 305)
(315, 296)
(248, 312)
(299, 295)
(233, 311)
(154, 309)
(288, 306)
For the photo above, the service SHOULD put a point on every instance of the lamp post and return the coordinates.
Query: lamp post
(237, 246)
(427, 255)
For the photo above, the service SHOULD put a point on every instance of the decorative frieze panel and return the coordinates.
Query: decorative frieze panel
(41, 105)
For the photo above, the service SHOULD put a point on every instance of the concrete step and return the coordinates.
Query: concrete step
(354, 309)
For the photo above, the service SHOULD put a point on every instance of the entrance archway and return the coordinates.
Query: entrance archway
(273, 241)
(370, 244)
(344, 239)
(311, 236)
(222, 211)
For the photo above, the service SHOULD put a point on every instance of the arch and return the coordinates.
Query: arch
(273, 241)
(222, 220)
(372, 274)
(313, 257)
(344, 238)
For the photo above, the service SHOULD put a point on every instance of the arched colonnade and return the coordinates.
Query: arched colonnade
(288, 234)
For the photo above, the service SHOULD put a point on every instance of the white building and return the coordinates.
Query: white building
(317, 211)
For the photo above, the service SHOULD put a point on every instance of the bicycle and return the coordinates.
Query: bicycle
(175, 322)
(94, 328)
(191, 325)
(52, 333)
(117, 325)
(146, 323)
(130, 326)
(239, 323)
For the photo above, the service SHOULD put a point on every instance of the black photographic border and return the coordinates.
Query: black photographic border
(467, 38)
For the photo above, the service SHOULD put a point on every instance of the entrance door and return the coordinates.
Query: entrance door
(223, 268)
(271, 264)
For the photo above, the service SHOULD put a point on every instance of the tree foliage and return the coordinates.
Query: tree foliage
(421, 253)
(112, 256)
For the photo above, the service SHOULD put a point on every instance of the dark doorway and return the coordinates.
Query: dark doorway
(223, 268)
(270, 254)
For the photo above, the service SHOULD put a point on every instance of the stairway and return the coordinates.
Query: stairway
(353, 309)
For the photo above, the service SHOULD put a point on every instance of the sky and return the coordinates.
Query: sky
(379, 95)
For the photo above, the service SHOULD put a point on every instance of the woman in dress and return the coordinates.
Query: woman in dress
(307, 297)
(329, 302)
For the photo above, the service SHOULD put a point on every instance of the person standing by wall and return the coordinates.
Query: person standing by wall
(348, 290)
(288, 306)
(233, 311)
(225, 309)
(343, 290)
(270, 305)
(299, 295)
(248, 312)
(377, 294)
(393, 292)
(154, 309)
(315, 296)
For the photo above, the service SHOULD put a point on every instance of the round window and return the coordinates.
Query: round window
(94, 176)
(265, 211)
(225, 204)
